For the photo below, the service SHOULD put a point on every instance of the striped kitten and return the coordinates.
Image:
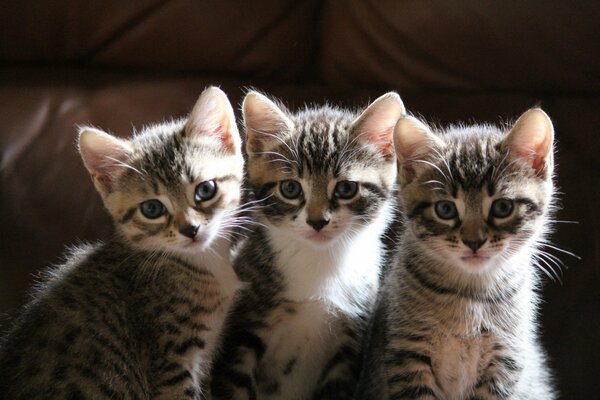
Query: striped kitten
(456, 317)
(139, 317)
(323, 179)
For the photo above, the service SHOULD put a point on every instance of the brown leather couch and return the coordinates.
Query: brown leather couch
(118, 64)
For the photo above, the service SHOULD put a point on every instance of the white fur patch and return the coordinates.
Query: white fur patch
(344, 274)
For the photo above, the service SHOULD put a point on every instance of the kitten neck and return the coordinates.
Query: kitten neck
(465, 303)
(217, 260)
(216, 255)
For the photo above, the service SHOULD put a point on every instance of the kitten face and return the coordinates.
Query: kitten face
(476, 196)
(184, 205)
(323, 205)
(174, 187)
(323, 174)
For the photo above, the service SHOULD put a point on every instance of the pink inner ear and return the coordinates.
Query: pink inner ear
(102, 168)
(216, 129)
(387, 149)
(104, 180)
(382, 140)
(538, 164)
(531, 139)
(219, 128)
(223, 129)
(407, 172)
(408, 158)
(537, 160)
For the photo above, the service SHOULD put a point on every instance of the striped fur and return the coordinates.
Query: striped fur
(297, 329)
(457, 320)
(140, 316)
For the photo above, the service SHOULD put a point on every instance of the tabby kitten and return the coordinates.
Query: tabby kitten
(456, 317)
(139, 316)
(323, 181)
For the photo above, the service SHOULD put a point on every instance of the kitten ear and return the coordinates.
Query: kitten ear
(375, 125)
(265, 122)
(104, 156)
(212, 116)
(532, 138)
(413, 142)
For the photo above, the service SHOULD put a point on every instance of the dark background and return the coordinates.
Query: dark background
(118, 64)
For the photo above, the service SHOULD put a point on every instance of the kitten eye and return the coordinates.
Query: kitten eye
(345, 189)
(446, 209)
(205, 190)
(290, 189)
(501, 208)
(152, 209)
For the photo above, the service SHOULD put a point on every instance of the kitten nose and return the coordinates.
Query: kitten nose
(317, 224)
(475, 244)
(189, 231)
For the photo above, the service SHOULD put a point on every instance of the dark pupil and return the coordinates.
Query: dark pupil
(502, 208)
(152, 209)
(446, 210)
(290, 189)
(346, 189)
(206, 190)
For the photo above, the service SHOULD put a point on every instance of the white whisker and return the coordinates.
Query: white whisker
(434, 166)
(120, 163)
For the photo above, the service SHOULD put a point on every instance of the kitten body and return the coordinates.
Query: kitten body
(312, 266)
(456, 317)
(140, 316)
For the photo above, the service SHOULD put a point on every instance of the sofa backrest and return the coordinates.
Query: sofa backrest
(468, 45)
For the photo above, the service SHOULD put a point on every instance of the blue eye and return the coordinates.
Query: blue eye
(501, 208)
(205, 190)
(446, 209)
(290, 189)
(152, 209)
(345, 189)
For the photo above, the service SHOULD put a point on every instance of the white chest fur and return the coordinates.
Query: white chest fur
(325, 287)
(344, 275)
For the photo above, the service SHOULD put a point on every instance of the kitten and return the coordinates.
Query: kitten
(456, 317)
(139, 316)
(323, 181)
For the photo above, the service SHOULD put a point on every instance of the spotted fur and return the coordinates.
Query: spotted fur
(312, 266)
(140, 316)
(456, 317)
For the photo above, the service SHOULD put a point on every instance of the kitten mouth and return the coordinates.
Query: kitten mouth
(318, 237)
(475, 259)
(196, 242)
